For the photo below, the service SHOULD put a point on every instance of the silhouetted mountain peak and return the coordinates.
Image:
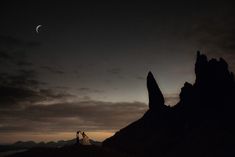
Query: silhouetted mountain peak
(186, 90)
(212, 73)
(156, 98)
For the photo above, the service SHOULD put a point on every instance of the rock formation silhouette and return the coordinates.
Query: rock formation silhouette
(155, 94)
(202, 123)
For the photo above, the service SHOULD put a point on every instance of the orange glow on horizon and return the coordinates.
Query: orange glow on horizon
(46, 137)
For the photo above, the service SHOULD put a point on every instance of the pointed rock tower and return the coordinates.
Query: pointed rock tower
(156, 99)
(140, 134)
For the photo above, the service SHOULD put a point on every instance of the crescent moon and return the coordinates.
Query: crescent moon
(37, 28)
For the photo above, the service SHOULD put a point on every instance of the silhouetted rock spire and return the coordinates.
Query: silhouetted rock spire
(213, 73)
(156, 98)
(200, 67)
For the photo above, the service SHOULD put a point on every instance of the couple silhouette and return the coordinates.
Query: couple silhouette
(84, 140)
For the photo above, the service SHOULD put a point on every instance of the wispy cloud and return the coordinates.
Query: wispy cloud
(11, 42)
(22, 87)
(87, 115)
(13, 51)
(114, 71)
(51, 69)
(89, 90)
(171, 99)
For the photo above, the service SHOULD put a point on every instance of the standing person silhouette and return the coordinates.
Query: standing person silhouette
(77, 137)
(85, 139)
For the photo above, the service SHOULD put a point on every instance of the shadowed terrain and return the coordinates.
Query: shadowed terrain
(200, 124)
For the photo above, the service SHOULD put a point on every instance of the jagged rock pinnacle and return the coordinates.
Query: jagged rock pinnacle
(212, 72)
(156, 98)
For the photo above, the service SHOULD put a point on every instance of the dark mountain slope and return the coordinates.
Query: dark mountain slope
(201, 124)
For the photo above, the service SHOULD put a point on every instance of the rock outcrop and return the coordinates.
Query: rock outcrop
(156, 99)
(202, 123)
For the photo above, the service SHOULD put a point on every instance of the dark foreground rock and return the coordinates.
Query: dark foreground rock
(202, 123)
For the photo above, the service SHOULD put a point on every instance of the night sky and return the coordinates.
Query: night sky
(86, 68)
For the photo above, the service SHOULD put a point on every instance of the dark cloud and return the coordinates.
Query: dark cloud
(53, 69)
(19, 84)
(5, 56)
(51, 94)
(89, 115)
(62, 87)
(12, 42)
(11, 96)
(13, 51)
(21, 78)
(114, 71)
(24, 63)
(117, 72)
(140, 77)
(19, 97)
(89, 90)
(15, 58)
(24, 88)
